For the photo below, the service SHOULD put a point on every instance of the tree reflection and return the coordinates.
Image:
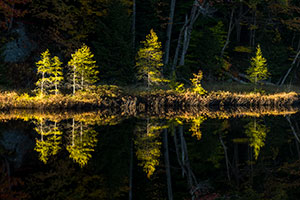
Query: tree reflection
(257, 133)
(82, 143)
(81, 139)
(195, 127)
(50, 142)
(148, 144)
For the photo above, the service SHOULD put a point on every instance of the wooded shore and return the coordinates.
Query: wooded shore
(150, 100)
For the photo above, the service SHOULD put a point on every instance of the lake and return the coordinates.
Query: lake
(210, 154)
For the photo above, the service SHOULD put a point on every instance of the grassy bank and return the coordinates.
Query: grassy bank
(112, 97)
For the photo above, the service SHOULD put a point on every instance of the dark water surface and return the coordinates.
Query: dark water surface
(68, 156)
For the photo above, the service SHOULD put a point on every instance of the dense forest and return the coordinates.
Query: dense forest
(218, 37)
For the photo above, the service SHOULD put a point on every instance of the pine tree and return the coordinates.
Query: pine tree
(149, 60)
(56, 73)
(84, 70)
(43, 68)
(258, 69)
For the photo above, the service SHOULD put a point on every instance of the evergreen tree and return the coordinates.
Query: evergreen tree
(43, 69)
(149, 60)
(258, 69)
(56, 74)
(83, 68)
(113, 45)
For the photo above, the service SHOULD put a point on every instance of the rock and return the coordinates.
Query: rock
(19, 49)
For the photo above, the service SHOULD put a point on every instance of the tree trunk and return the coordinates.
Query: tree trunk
(197, 8)
(167, 164)
(169, 32)
(73, 132)
(133, 24)
(131, 171)
(226, 157)
(290, 69)
(55, 84)
(42, 83)
(74, 79)
(230, 28)
(238, 25)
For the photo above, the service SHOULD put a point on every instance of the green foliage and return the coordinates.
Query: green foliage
(56, 73)
(174, 85)
(83, 69)
(195, 127)
(207, 41)
(51, 73)
(43, 69)
(258, 69)
(196, 83)
(113, 45)
(257, 135)
(83, 142)
(149, 60)
(148, 144)
(50, 142)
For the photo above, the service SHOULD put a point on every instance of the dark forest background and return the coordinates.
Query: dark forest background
(218, 37)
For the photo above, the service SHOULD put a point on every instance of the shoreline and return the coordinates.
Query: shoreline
(145, 101)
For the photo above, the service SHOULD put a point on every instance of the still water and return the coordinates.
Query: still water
(240, 154)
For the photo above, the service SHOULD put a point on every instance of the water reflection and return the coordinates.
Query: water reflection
(257, 132)
(178, 156)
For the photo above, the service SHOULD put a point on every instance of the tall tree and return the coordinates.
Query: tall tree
(149, 60)
(43, 68)
(83, 69)
(56, 74)
(258, 69)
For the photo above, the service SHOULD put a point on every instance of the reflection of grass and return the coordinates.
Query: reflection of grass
(114, 97)
(109, 117)
(91, 117)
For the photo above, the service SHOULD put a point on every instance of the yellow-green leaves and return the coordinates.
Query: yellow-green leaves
(257, 135)
(84, 69)
(196, 83)
(149, 60)
(50, 71)
(258, 69)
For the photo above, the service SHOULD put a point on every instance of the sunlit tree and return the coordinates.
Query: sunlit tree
(56, 73)
(43, 69)
(50, 142)
(82, 142)
(148, 146)
(83, 68)
(196, 83)
(195, 126)
(149, 60)
(258, 70)
(257, 135)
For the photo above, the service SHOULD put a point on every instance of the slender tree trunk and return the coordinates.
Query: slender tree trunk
(253, 30)
(288, 118)
(74, 79)
(81, 131)
(238, 25)
(230, 28)
(187, 28)
(131, 171)
(290, 69)
(226, 157)
(169, 32)
(55, 84)
(73, 132)
(42, 83)
(167, 164)
(133, 24)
